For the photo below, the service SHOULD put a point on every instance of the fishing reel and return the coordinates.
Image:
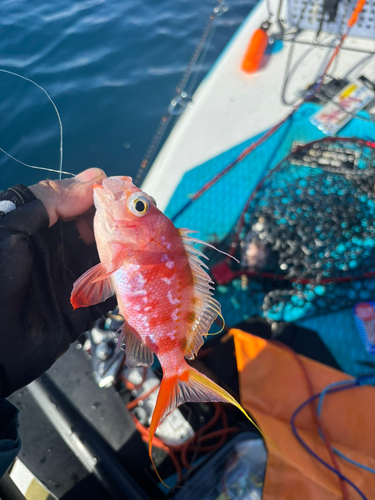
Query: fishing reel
(101, 346)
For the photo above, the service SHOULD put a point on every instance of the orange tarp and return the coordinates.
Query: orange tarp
(272, 386)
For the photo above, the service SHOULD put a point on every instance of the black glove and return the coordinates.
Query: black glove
(38, 266)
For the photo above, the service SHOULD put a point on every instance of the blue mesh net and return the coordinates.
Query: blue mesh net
(313, 222)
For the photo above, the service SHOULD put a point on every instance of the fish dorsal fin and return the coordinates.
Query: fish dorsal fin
(137, 353)
(93, 287)
(206, 308)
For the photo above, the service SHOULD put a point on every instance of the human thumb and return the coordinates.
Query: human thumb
(68, 198)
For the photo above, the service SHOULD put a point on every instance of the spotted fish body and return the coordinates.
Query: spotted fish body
(163, 292)
(156, 296)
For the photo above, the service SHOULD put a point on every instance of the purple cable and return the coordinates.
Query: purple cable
(309, 450)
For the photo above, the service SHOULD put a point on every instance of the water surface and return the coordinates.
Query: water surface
(111, 67)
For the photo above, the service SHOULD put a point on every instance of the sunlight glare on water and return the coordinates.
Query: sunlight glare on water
(111, 66)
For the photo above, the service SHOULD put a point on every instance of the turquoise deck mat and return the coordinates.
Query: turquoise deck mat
(215, 213)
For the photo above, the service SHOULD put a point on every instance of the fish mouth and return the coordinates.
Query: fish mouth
(115, 187)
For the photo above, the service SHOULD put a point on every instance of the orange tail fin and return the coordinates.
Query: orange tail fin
(191, 386)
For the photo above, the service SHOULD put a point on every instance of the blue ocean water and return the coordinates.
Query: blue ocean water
(111, 67)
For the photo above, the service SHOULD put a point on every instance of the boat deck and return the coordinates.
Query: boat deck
(230, 106)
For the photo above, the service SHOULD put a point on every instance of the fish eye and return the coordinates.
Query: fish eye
(138, 204)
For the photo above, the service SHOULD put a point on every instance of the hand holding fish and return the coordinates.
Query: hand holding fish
(162, 289)
(71, 199)
(39, 261)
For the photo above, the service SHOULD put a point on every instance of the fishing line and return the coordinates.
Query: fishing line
(287, 73)
(34, 166)
(347, 48)
(341, 30)
(317, 421)
(201, 60)
(221, 329)
(353, 462)
(290, 70)
(269, 10)
(309, 450)
(216, 11)
(359, 381)
(359, 66)
(60, 170)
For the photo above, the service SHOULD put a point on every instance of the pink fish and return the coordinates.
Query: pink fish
(162, 289)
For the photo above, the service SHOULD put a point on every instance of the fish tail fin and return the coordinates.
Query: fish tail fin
(201, 388)
(187, 387)
(164, 405)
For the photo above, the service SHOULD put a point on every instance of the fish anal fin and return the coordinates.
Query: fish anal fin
(93, 287)
(137, 353)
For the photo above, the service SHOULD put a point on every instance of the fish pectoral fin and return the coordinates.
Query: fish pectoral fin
(92, 288)
(137, 353)
(118, 256)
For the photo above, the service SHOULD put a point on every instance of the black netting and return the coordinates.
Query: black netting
(309, 230)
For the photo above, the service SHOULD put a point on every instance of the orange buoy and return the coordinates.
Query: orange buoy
(256, 49)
